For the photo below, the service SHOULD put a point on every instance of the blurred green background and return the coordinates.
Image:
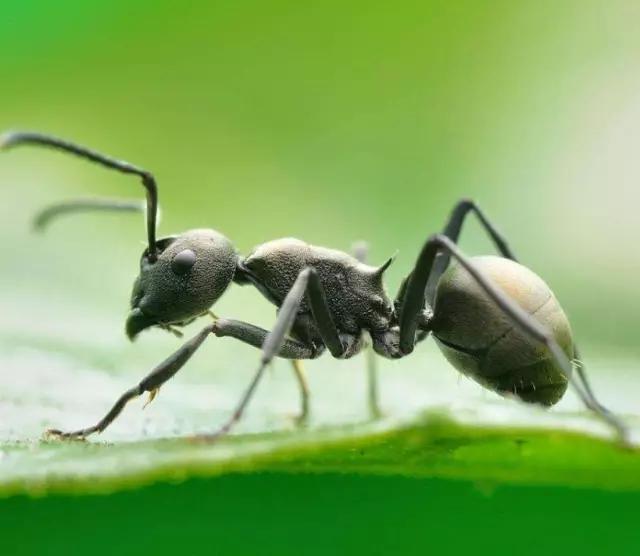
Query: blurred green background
(346, 121)
(331, 122)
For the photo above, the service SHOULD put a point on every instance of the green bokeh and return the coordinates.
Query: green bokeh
(342, 121)
(332, 122)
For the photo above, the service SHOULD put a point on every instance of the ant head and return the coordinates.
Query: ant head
(190, 272)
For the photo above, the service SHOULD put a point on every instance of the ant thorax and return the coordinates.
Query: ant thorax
(354, 291)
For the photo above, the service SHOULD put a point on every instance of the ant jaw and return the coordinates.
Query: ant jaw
(137, 321)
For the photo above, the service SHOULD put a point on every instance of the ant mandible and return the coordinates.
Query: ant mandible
(494, 320)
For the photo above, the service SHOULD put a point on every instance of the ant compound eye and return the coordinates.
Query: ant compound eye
(183, 261)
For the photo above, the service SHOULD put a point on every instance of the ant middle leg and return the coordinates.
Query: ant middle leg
(296, 349)
(307, 285)
(360, 251)
(293, 349)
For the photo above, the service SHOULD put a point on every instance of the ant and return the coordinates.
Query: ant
(494, 320)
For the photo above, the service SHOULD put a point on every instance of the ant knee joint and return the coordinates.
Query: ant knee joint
(351, 345)
(387, 343)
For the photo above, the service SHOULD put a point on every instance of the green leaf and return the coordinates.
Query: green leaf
(64, 360)
(432, 446)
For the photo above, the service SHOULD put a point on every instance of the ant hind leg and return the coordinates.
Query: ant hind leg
(452, 230)
(413, 301)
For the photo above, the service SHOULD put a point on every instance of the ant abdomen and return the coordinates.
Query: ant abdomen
(481, 342)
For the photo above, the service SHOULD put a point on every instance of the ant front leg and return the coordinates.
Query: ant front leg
(413, 303)
(306, 284)
(151, 383)
(170, 366)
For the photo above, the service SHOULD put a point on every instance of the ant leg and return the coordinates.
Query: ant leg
(307, 283)
(301, 378)
(292, 349)
(452, 230)
(44, 217)
(151, 383)
(170, 366)
(372, 384)
(456, 220)
(360, 251)
(414, 301)
(255, 336)
(16, 138)
(578, 365)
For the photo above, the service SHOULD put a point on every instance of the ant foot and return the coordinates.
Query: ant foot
(80, 436)
(302, 419)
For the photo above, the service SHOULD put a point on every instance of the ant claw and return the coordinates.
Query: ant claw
(60, 435)
(152, 396)
(300, 420)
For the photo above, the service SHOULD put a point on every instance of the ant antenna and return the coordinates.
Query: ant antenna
(16, 138)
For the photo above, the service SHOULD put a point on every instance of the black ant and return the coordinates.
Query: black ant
(494, 320)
